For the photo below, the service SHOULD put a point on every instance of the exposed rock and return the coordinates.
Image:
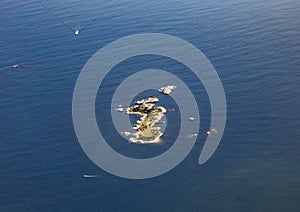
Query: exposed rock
(120, 109)
(167, 90)
(126, 133)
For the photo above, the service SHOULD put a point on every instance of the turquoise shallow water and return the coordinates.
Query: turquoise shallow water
(253, 45)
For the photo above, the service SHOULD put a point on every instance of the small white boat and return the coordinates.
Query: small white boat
(90, 175)
(15, 66)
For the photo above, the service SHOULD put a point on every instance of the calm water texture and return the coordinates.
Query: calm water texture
(254, 46)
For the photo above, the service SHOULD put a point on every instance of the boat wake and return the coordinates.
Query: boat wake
(90, 175)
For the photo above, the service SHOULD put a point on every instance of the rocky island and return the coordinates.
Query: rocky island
(145, 126)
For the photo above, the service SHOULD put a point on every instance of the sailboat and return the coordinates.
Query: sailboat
(75, 31)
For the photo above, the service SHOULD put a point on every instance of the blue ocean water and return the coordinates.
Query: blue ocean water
(254, 46)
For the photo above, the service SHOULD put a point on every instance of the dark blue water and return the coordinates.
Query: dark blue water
(254, 46)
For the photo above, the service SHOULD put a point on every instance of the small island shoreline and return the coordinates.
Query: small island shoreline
(146, 133)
